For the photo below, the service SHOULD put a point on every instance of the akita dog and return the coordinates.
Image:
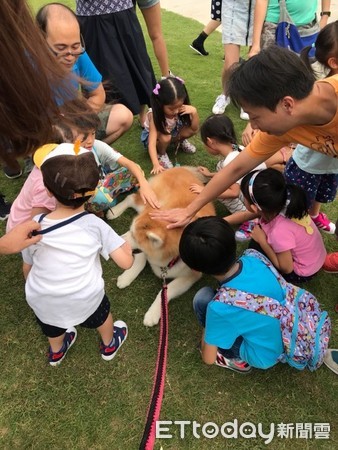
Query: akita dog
(158, 245)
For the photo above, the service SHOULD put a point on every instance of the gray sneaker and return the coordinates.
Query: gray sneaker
(187, 147)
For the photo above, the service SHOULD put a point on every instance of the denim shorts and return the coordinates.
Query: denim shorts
(144, 4)
(145, 138)
(237, 22)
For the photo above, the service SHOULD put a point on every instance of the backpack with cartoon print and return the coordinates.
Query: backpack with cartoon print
(305, 327)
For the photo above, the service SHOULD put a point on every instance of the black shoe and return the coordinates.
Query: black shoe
(5, 208)
(12, 173)
(198, 48)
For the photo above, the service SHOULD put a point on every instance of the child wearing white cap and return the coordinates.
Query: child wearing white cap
(64, 284)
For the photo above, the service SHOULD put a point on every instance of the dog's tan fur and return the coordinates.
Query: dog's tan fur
(158, 244)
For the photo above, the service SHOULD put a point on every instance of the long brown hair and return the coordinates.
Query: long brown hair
(29, 78)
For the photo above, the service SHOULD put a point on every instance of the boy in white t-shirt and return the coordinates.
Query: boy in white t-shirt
(64, 284)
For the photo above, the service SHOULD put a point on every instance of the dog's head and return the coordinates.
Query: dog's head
(154, 239)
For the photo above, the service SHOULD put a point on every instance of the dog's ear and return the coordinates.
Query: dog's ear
(155, 240)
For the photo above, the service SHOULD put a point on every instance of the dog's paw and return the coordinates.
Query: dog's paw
(152, 316)
(123, 281)
(110, 215)
(114, 212)
(127, 236)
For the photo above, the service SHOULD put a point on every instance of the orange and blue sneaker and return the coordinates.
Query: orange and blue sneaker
(55, 358)
(235, 364)
(108, 352)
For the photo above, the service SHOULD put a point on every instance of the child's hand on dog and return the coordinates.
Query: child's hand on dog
(196, 188)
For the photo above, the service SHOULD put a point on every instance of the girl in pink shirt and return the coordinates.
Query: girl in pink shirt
(286, 233)
(32, 200)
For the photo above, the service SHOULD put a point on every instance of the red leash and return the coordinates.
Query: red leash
(154, 409)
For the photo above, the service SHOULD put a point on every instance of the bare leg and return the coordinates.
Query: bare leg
(231, 56)
(119, 121)
(163, 142)
(186, 133)
(56, 343)
(142, 115)
(315, 209)
(106, 330)
(152, 17)
(211, 26)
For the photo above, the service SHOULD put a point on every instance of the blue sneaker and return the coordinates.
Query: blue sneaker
(55, 358)
(108, 352)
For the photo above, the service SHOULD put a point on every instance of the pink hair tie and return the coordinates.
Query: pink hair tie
(157, 87)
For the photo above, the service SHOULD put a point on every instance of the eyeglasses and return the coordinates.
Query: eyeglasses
(75, 53)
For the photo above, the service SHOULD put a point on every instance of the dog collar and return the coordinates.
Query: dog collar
(173, 262)
(164, 270)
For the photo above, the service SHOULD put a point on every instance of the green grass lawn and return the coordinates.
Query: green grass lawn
(87, 403)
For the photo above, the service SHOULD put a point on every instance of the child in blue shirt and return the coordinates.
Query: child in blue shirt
(233, 337)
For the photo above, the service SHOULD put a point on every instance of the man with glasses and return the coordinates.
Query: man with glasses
(62, 32)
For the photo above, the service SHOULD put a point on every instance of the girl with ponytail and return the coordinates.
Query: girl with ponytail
(286, 233)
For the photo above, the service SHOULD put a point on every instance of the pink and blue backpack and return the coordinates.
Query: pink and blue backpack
(305, 327)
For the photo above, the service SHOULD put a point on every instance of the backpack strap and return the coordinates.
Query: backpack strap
(253, 302)
(261, 304)
(284, 15)
(284, 284)
(58, 225)
(291, 292)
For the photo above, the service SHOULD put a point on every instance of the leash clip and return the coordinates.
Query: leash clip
(164, 273)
